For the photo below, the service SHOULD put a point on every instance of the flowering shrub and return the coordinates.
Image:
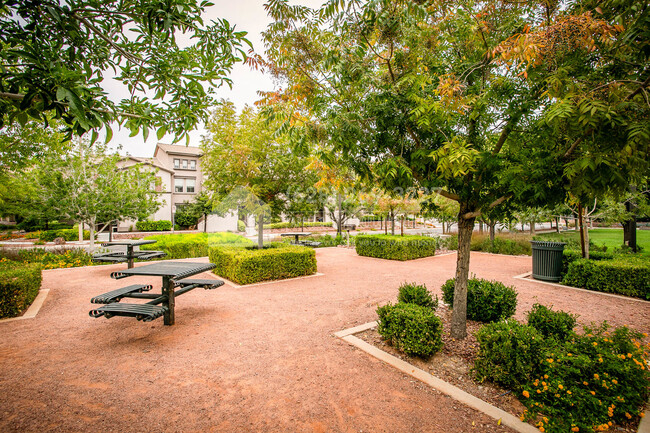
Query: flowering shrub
(52, 259)
(589, 383)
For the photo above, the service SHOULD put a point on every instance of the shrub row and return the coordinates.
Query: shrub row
(487, 301)
(246, 264)
(512, 245)
(67, 234)
(396, 247)
(570, 256)
(624, 277)
(19, 285)
(568, 382)
(153, 226)
(288, 225)
(50, 259)
(184, 246)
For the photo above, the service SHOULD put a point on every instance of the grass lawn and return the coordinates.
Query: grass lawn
(612, 238)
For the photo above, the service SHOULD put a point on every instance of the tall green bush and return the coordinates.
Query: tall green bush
(248, 264)
(487, 301)
(395, 247)
(411, 328)
(184, 246)
(289, 225)
(67, 234)
(19, 285)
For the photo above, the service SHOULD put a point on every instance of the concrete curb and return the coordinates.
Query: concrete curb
(611, 295)
(33, 309)
(446, 388)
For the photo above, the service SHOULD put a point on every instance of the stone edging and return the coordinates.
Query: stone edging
(33, 309)
(452, 391)
(525, 276)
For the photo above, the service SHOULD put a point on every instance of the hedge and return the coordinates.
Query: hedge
(570, 256)
(185, 246)
(629, 278)
(19, 285)
(288, 225)
(245, 264)
(411, 328)
(394, 247)
(153, 226)
(67, 234)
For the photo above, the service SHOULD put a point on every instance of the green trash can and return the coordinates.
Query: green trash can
(547, 260)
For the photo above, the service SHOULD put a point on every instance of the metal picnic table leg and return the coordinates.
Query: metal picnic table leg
(168, 290)
(129, 254)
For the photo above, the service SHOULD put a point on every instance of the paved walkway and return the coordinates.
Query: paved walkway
(257, 358)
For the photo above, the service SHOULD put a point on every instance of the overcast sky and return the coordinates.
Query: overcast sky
(247, 15)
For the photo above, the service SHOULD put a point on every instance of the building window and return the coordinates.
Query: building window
(177, 163)
(189, 185)
(178, 185)
(192, 164)
(184, 164)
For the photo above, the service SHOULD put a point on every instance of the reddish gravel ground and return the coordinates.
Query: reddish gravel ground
(258, 358)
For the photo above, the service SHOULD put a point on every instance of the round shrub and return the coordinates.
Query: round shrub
(552, 324)
(417, 294)
(487, 301)
(413, 329)
(509, 353)
(241, 226)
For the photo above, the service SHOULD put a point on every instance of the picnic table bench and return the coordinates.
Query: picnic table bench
(129, 255)
(297, 241)
(174, 283)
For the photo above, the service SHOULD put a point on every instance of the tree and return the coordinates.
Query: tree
(87, 187)
(243, 150)
(55, 57)
(417, 94)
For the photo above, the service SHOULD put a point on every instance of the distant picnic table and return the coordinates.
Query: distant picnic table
(174, 274)
(297, 241)
(129, 255)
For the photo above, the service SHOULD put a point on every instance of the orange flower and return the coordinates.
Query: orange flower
(526, 394)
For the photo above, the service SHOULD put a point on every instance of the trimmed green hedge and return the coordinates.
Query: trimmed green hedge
(395, 247)
(19, 285)
(246, 264)
(624, 277)
(185, 246)
(67, 234)
(153, 226)
(570, 256)
(288, 225)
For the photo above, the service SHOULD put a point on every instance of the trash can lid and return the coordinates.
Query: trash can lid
(547, 244)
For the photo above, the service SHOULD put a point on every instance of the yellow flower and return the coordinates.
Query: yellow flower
(539, 392)
(575, 429)
(628, 416)
(526, 394)
(614, 381)
(560, 386)
(550, 360)
(593, 392)
(546, 376)
(541, 429)
(629, 355)
(568, 392)
(585, 383)
(596, 376)
(595, 344)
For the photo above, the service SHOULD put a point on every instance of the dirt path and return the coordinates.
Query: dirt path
(259, 358)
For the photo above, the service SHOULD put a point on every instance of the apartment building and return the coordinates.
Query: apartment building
(178, 169)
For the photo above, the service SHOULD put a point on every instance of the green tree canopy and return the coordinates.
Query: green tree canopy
(449, 97)
(56, 57)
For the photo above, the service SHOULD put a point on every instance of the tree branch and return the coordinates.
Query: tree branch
(447, 194)
(643, 85)
(494, 204)
(577, 142)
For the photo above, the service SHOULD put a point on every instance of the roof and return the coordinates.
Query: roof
(179, 149)
(148, 161)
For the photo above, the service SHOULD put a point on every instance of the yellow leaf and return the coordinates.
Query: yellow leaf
(499, 422)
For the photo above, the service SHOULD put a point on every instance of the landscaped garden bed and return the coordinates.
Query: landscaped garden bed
(558, 379)
(184, 246)
(19, 285)
(246, 264)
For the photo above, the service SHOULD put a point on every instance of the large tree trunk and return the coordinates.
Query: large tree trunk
(629, 226)
(260, 230)
(584, 242)
(557, 224)
(532, 226)
(493, 225)
(459, 313)
(205, 223)
(81, 231)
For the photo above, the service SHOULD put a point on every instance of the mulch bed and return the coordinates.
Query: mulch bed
(454, 362)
